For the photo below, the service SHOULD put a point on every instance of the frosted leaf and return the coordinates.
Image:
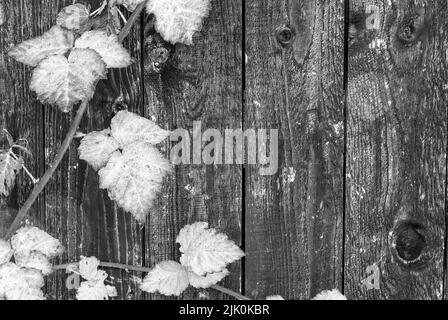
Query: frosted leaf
(205, 250)
(73, 17)
(33, 260)
(65, 82)
(88, 268)
(107, 46)
(208, 280)
(20, 284)
(330, 295)
(30, 238)
(274, 298)
(178, 20)
(128, 127)
(9, 167)
(134, 176)
(168, 277)
(130, 5)
(6, 252)
(97, 147)
(55, 41)
(95, 290)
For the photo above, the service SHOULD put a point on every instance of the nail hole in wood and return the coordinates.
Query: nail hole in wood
(285, 35)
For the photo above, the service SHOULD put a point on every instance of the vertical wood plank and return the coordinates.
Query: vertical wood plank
(295, 55)
(396, 149)
(202, 83)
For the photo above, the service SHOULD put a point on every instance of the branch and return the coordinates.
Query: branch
(146, 270)
(40, 186)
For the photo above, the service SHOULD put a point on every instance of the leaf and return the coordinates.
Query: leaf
(274, 298)
(97, 147)
(30, 238)
(130, 5)
(33, 260)
(107, 46)
(88, 268)
(55, 41)
(128, 127)
(330, 295)
(73, 17)
(208, 280)
(9, 167)
(20, 284)
(134, 176)
(6, 252)
(178, 20)
(94, 290)
(65, 82)
(205, 250)
(168, 277)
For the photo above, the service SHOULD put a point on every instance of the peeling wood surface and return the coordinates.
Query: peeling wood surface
(379, 135)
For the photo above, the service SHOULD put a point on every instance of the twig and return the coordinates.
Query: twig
(40, 186)
(125, 267)
(127, 28)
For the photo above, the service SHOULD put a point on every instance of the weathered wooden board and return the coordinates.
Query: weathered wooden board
(294, 83)
(396, 149)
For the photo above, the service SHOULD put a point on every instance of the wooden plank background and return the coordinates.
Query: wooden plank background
(358, 92)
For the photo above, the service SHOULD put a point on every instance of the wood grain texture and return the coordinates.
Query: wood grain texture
(396, 150)
(202, 83)
(294, 83)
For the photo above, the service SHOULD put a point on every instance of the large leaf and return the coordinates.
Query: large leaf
(97, 147)
(73, 17)
(134, 176)
(19, 283)
(128, 127)
(28, 239)
(205, 250)
(107, 46)
(178, 20)
(168, 277)
(65, 82)
(9, 167)
(53, 42)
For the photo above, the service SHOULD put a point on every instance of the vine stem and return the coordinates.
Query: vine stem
(126, 267)
(40, 186)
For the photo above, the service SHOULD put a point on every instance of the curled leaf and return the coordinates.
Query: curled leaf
(65, 82)
(178, 20)
(205, 250)
(128, 127)
(107, 46)
(28, 239)
(334, 294)
(97, 147)
(168, 277)
(134, 176)
(6, 252)
(55, 41)
(210, 279)
(9, 167)
(73, 17)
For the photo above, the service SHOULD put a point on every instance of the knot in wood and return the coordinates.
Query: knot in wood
(285, 35)
(410, 240)
(410, 28)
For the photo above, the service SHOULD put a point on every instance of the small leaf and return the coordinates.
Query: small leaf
(210, 279)
(56, 41)
(6, 252)
(130, 5)
(88, 268)
(65, 82)
(168, 277)
(330, 295)
(94, 290)
(128, 127)
(33, 260)
(97, 147)
(28, 239)
(178, 20)
(134, 176)
(9, 167)
(73, 17)
(205, 250)
(107, 46)
(274, 298)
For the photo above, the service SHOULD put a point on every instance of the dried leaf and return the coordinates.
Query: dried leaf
(128, 127)
(208, 280)
(73, 17)
(6, 252)
(9, 167)
(33, 260)
(168, 277)
(55, 41)
(134, 176)
(178, 20)
(107, 46)
(20, 284)
(130, 5)
(97, 147)
(330, 295)
(65, 82)
(28, 239)
(205, 250)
